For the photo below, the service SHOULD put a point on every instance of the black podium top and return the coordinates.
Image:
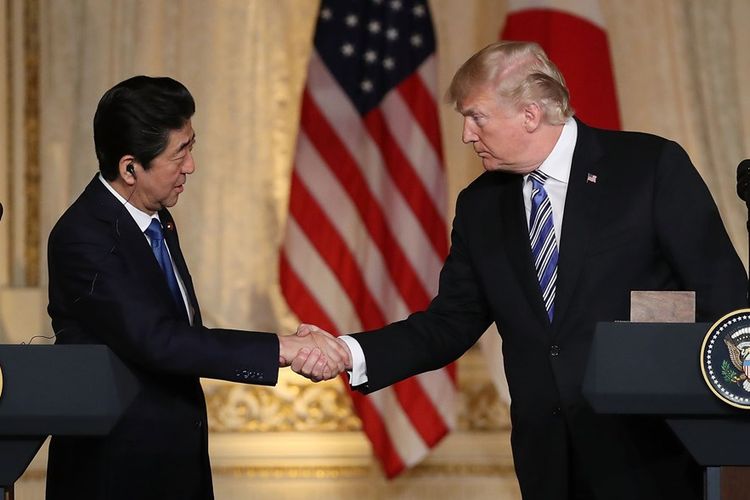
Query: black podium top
(655, 369)
(650, 368)
(74, 390)
(62, 390)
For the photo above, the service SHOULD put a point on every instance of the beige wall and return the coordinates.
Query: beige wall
(680, 71)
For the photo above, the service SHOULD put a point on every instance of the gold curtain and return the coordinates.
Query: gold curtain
(245, 62)
(678, 69)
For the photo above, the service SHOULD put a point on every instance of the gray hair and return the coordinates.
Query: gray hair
(521, 73)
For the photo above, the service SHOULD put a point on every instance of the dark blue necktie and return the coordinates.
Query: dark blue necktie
(543, 241)
(155, 232)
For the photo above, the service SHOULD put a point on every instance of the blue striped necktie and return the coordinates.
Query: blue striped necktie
(155, 232)
(543, 241)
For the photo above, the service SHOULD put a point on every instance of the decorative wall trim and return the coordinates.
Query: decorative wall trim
(293, 472)
(9, 121)
(296, 404)
(31, 128)
(356, 471)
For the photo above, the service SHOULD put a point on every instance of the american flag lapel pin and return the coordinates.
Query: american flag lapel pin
(590, 178)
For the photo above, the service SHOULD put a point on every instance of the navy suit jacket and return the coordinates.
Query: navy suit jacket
(646, 222)
(106, 287)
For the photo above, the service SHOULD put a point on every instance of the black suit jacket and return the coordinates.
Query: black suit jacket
(106, 287)
(648, 222)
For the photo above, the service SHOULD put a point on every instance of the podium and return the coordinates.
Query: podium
(68, 390)
(654, 369)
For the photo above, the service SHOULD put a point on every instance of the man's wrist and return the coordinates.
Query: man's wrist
(358, 369)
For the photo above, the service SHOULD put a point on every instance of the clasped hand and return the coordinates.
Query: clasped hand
(314, 353)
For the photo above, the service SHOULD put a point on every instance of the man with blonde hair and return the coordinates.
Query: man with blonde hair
(565, 221)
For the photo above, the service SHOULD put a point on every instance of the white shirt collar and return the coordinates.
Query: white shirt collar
(141, 218)
(557, 164)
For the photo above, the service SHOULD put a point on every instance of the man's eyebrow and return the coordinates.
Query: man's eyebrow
(466, 111)
(186, 143)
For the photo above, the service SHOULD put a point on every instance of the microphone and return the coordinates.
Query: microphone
(743, 181)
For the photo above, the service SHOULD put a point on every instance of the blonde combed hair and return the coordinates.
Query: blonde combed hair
(521, 73)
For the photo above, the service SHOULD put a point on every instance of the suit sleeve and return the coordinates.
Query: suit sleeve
(693, 237)
(96, 294)
(430, 339)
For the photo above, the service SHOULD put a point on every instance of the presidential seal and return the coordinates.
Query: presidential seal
(725, 358)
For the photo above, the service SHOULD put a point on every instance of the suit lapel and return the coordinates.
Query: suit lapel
(170, 235)
(580, 204)
(132, 245)
(516, 242)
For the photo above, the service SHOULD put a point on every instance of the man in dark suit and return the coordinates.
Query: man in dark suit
(566, 221)
(117, 277)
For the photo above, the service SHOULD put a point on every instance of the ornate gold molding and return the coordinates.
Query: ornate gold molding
(294, 472)
(341, 471)
(296, 404)
(292, 405)
(481, 409)
(460, 470)
(346, 471)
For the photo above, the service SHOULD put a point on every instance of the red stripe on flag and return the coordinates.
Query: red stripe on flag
(335, 154)
(452, 372)
(373, 426)
(581, 50)
(421, 411)
(423, 108)
(300, 300)
(410, 422)
(408, 182)
(327, 241)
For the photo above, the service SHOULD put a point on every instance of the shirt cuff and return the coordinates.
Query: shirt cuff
(358, 373)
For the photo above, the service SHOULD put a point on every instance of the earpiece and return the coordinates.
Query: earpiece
(130, 169)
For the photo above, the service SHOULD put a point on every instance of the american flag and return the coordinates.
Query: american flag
(366, 235)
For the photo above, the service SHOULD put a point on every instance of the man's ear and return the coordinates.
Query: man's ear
(532, 116)
(126, 168)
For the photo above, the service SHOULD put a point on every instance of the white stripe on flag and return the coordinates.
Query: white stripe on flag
(428, 74)
(342, 116)
(442, 392)
(415, 146)
(343, 215)
(380, 225)
(405, 439)
(315, 274)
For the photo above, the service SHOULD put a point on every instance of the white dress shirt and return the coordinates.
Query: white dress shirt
(557, 168)
(144, 220)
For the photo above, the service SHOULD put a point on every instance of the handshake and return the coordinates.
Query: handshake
(314, 353)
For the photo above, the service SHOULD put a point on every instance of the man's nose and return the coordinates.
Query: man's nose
(189, 166)
(468, 135)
